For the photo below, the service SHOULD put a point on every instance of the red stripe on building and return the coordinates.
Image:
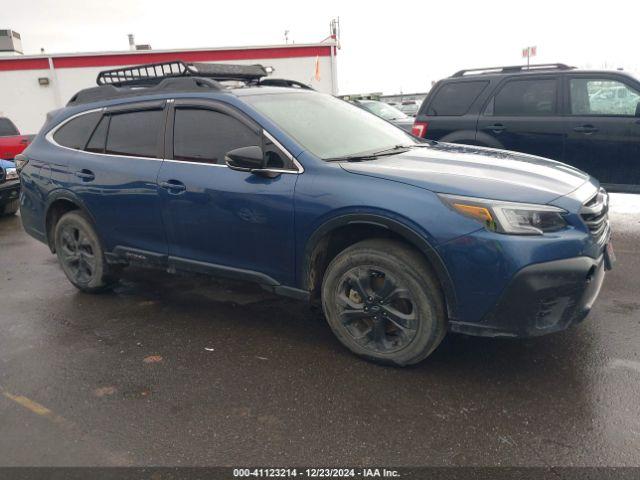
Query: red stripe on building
(155, 57)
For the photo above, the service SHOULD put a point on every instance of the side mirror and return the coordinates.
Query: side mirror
(245, 159)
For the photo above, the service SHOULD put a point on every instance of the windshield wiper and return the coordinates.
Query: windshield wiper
(370, 156)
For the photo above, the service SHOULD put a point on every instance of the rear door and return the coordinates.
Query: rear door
(523, 116)
(114, 171)
(447, 114)
(603, 131)
(221, 220)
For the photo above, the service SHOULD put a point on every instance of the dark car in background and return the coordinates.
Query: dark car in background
(587, 119)
(11, 144)
(388, 112)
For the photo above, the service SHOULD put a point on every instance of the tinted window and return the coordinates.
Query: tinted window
(526, 97)
(7, 128)
(206, 136)
(99, 138)
(455, 98)
(591, 96)
(75, 133)
(135, 134)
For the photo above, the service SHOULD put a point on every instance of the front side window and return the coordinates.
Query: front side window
(591, 96)
(135, 134)
(526, 98)
(206, 136)
(75, 133)
(455, 98)
(327, 127)
(7, 128)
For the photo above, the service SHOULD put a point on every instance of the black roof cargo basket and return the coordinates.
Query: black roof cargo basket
(513, 69)
(154, 73)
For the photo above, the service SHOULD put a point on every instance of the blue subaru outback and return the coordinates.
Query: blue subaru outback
(224, 171)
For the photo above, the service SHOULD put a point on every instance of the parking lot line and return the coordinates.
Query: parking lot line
(34, 407)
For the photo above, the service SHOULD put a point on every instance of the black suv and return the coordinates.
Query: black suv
(587, 119)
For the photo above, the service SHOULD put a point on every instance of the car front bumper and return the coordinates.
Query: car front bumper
(542, 298)
(9, 191)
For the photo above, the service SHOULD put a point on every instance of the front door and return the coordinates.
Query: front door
(603, 131)
(523, 117)
(220, 219)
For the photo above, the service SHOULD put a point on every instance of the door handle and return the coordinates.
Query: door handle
(173, 185)
(586, 129)
(85, 175)
(496, 128)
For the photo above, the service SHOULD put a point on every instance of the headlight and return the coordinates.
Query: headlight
(11, 174)
(508, 217)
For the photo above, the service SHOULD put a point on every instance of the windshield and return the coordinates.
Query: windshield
(383, 110)
(327, 127)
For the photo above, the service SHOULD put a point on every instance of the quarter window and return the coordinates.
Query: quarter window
(455, 98)
(205, 136)
(590, 96)
(75, 133)
(526, 97)
(135, 134)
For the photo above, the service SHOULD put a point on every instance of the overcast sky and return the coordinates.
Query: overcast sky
(386, 46)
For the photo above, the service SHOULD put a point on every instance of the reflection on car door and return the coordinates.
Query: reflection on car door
(217, 217)
(603, 132)
(523, 116)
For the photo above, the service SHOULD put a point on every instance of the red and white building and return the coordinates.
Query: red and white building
(31, 86)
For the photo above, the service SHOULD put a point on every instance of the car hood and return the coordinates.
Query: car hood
(476, 172)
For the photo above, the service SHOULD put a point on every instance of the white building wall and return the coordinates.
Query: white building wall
(26, 102)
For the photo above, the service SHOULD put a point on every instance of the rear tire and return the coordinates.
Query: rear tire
(10, 208)
(81, 255)
(383, 302)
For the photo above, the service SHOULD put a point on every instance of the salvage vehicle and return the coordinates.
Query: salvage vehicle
(386, 111)
(9, 188)
(400, 240)
(11, 142)
(587, 119)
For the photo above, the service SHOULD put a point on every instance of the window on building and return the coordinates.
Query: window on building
(135, 134)
(455, 98)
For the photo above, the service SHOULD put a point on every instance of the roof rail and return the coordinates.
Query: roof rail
(107, 92)
(154, 73)
(513, 69)
(283, 82)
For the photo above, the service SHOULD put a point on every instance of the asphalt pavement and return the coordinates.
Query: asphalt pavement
(179, 371)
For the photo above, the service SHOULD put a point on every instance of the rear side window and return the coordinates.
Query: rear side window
(7, 128)
(206, 136)
(135, 134)
(75, 133)
(455, 98)
(99, 138)
(526, 97)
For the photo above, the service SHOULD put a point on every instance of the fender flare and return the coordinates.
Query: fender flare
(68, 195)
(406, 232)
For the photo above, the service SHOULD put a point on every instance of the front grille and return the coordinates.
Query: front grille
(595, 214)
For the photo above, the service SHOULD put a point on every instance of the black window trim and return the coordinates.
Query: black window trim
(498, 88)
(107, 111)
(595, 76)
(221, 107)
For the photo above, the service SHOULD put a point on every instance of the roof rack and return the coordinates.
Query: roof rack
(513, 69)
(154, 73)
(283, 82)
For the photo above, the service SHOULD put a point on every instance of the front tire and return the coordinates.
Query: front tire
(383, 302)
(11, 208)
(80, 253)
